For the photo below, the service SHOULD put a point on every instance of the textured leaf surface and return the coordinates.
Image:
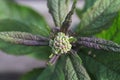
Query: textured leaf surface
(54, 72)
(74, 69)
(14, 17)
(113, 32)
(32, 75)
(101, 65)
(99, 44)
(99, 16)
(58, 10)
(24, 38)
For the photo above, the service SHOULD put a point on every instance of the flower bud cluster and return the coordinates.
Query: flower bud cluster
(60, 44)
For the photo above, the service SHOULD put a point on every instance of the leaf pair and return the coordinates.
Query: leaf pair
(59, 10)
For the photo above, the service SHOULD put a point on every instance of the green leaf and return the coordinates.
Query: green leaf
(24, 38)
(32, 75)
(27, 16)
(98, 17)
(101, 65)
(74, 69)
(14, 17)
(54, 72)
(59, 10)
(113, 32)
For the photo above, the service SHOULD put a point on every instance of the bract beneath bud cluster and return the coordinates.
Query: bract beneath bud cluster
(60, 44)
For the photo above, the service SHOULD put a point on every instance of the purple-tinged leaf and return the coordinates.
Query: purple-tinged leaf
(23, 38)
(53, 60)
(99, 44)
(67, 22)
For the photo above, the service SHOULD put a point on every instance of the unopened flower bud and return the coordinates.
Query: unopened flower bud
(60, 44)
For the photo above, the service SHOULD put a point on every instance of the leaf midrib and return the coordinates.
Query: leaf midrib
(75, 70)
